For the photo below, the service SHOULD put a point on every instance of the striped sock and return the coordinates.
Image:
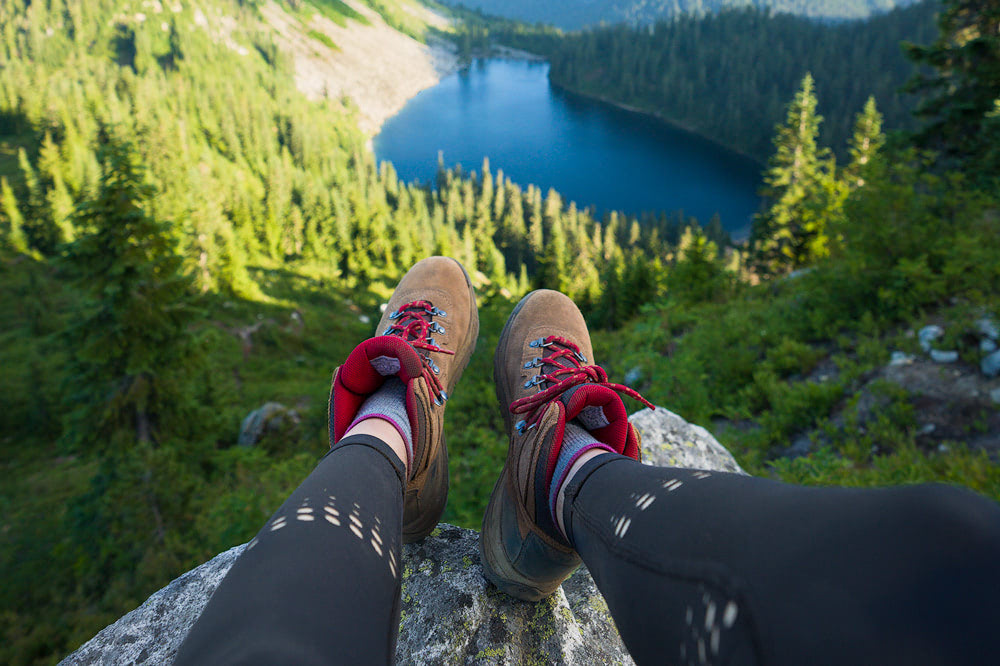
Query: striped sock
(389, 404)
(576, 441)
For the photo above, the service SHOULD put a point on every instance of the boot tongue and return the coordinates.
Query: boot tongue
(373, 360)
(601, 411)
(364, 371)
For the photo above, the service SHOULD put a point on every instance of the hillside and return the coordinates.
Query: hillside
(728, 75)
(186, 236)
(362, 57)
(573, 14)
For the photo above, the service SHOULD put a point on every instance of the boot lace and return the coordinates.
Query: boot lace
(569, 371)
(414, 323)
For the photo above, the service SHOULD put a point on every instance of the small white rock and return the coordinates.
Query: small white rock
(382, 308)
(986, 346)
(364, 319)
(900, 358)
(928, 334)
(988, 328)
(944, 356)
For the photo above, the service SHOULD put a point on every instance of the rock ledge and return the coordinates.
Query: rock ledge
(450, 613)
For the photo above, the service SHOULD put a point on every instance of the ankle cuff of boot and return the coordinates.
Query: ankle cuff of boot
(563, 467)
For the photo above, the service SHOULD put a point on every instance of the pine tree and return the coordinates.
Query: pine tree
(133, 335)
(798, 183)
(865, 143)
(965, 85)
(14, 231)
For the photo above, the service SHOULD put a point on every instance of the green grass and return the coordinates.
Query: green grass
(339, 12)
(324, 39)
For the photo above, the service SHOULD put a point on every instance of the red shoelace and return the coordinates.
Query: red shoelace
(414, 323)
(569, 371)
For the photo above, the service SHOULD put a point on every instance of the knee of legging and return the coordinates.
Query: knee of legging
(942, 507)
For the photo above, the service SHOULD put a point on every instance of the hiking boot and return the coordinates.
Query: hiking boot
(543, 380)
(425, 338)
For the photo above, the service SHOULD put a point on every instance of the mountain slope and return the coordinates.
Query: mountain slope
(368, 61)
(576, 14)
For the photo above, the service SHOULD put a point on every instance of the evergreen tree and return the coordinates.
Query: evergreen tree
(800, 185)
(133, 336)
(14, 231)
(965, 86)
(865, 143)
(697, 275)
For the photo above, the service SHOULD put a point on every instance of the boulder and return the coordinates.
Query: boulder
(670, 441)
(450, 613)
(272, 416)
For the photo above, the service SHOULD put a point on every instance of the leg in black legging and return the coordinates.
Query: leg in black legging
(320, 582)
(709, 567)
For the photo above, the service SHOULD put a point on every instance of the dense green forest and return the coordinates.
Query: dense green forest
(728, 75)
(573, 14)
(184, 237)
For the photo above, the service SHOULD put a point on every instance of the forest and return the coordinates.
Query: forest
(728, 75)
(573, 15)
(185, 237)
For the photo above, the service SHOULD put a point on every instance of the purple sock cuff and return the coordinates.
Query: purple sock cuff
(391, 421)
(557, 482)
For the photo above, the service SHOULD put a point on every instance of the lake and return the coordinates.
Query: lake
(592, 153)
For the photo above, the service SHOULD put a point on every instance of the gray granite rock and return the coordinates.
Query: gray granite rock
(152, 632)
(450, 613)
(670, 441)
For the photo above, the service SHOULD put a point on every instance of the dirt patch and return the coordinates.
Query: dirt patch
(951, 403)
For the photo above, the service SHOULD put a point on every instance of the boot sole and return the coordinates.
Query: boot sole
(418, 530)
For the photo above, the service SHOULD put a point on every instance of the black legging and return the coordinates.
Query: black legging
(320, 582)
(709, 567)
(696, 567)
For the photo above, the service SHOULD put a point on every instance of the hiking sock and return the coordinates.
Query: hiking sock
(389, 404)
(576, 441)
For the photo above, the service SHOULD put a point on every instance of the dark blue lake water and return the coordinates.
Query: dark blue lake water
(592, 153)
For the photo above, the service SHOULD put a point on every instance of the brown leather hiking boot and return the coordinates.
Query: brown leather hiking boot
(542, 381)
(425, 337)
